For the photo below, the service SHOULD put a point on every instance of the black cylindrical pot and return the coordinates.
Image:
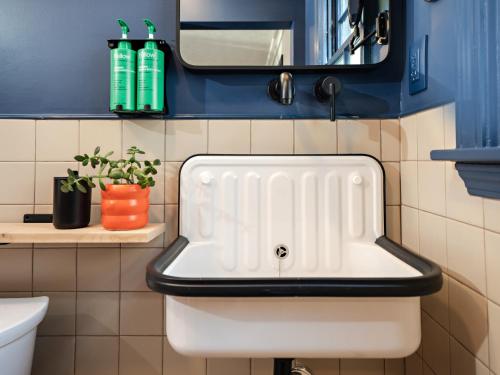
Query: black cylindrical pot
(71, 210)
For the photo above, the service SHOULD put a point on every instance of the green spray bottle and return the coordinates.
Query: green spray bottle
(123, 74)
(150, 75)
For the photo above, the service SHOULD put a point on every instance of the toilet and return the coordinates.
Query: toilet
(19, 318)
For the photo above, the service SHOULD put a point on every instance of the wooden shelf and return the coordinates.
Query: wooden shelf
(46, 233)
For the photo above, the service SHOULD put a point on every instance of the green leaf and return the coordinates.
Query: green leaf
(79, 158)
(108, 154)
(64, 189)
(81, 188)
(116, 174)
(157, 162)
(102, 185)
(85, 162)
(97, 150)
(71, 173)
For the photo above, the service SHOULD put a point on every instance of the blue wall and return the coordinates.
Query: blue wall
(54, 62)
(439, 20)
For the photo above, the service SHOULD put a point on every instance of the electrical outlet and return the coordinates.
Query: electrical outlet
(418, 66)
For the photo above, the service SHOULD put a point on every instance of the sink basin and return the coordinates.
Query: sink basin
(285, 257)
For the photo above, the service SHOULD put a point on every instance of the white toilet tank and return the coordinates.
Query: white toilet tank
(19, 318)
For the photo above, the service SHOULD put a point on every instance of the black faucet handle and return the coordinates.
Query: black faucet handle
(326, 89)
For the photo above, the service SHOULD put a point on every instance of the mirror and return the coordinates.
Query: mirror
(281, 33)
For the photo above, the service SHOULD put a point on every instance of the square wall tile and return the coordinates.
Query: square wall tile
(492, 214)
(185, 138)
(96, 355)
(140, 355)
(230, 366)
(157, 194)
(392, 183)
(18, 187)
(409, 137)
(390, 140)
(431, 187)
(436, 305)
(469, 319)
(141, 313)
(171, 218)
(494, 335)
(229, 136)
(54, 356)
(319, 366)
(466, 254)
(54, 270)
(271, 137)
(44, 182)
(104, 133)
(148, 135)
(409, 183)
(430, 129)
(450, 131)
(435, 346)
(61, 314)
(57, 140)
(315, 137)
(432, 237)
(362, 366)
(262, 366)
(393, 222)
(359, 137)
(172, 182)
(463, 362)
(133, 267)
(14, 213)
(17, 140)
(460, 205)
(98, 269)
(97, 313)
(395, 366)
(176, 364)
(409, 228)
(414, 365)
(492, 245)
(15, 269)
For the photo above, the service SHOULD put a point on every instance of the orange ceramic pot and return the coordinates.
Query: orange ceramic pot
(124, 207)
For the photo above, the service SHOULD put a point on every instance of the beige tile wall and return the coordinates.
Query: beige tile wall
(440, 220)
(102, 319)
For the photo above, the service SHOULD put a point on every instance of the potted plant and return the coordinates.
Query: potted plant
(125, 201)
(71, 208)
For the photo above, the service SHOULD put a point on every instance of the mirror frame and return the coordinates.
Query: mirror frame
(397, 11)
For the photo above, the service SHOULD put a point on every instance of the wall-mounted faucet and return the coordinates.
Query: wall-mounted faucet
(326, 89)
(283, 89)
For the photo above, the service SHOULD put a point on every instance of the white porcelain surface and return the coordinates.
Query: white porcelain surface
(328, 211)
(19, 318)
(294, 327)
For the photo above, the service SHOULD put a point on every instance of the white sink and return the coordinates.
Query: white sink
(286, 256)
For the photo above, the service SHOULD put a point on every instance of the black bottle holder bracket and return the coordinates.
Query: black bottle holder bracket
(137, 44)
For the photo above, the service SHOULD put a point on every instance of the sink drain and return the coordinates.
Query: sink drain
(281, 251)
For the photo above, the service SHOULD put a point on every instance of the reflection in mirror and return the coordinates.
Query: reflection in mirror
(267, 33)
